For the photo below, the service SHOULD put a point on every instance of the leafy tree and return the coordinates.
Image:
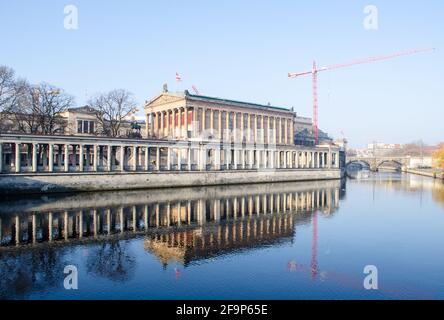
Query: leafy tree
(438, 157)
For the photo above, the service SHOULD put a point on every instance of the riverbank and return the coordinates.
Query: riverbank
(426, 172)
(107, 181)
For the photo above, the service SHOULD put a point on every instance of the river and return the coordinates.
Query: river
(304, 240)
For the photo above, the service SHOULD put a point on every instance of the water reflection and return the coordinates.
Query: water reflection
(407, 183)
(181, 216)
(120, 239)
(176, 225)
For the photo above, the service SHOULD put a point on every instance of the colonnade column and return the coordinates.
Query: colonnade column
(204, 159)
(286, 131)
(95, 157)
(329, 158)
(179, 159)
(51, 157)
(292, 131)
(158, 158)
(249, 127)
(122, 158)
(109, 157)
(217, 159)
(291, 159)
(186, 122)
(17, 157)
(135, 158)
(264, 158)
(241, 127)
(194, 134)
(274, 131)
(255, 128)
(34, 157)
(204, 116)
(219, 124)
(243, 158)
(272, 159)
(285, 159)
(296, 160)
(189, 158)
(227, 125)
(147, 158)
(80, 157)
(168, 159)
(162, 124)
(235, 157)
(1, 165)
(262, 129)
(166, 124)
(212, 121)
(179, 124)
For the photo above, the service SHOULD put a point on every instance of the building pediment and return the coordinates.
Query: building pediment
(164, 98)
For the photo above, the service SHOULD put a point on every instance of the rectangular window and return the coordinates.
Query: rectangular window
(91, 127)
(85, 126)
(79, 126)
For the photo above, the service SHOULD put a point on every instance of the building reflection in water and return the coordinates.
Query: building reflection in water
(175, 225)
(204, 220)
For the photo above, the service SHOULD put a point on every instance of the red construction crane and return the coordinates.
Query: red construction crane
(314, 73)
(195, 90)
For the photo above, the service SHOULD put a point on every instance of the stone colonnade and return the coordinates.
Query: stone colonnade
(33, 154)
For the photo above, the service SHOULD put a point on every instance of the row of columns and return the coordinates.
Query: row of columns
(99, 157)
(224, 125)
(83, 157)
(172, 123)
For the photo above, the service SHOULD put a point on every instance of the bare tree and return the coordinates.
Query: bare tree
(112, 109)
(11, 91)
(7, 81)
(38, 110)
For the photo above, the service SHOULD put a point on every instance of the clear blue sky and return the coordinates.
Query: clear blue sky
(243, 50)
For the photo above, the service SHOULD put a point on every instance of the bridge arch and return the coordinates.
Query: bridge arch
(358, 161)
(397, 163)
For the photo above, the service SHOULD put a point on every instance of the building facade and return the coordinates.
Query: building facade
(187, 116)
(79, 121)
(192, 137)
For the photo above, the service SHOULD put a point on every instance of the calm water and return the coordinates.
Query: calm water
(272, 241)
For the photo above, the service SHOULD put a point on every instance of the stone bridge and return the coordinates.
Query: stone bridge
(375, 162)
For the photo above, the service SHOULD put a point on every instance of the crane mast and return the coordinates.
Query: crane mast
(315, 70)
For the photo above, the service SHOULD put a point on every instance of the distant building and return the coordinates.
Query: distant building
(83, 121)
(420, 162)
(304, 134)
